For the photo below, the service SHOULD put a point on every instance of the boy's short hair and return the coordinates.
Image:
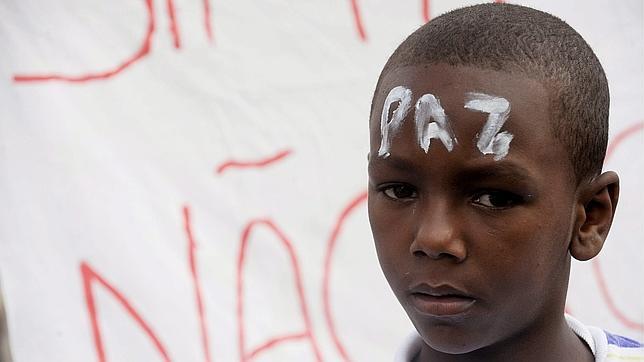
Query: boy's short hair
(517, 39)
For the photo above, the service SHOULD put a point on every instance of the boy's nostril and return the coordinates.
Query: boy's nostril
(419, 253)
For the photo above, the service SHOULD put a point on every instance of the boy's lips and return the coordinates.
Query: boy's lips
(440, 301)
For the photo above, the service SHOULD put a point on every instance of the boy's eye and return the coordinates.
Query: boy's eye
(496, 199)
(399, 192)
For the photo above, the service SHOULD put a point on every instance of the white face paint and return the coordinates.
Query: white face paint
(429, 107)
(388, 128)
(490, 140)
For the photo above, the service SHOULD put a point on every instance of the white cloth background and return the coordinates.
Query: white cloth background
(99, 164)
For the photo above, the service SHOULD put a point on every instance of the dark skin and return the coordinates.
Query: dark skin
(496, 237)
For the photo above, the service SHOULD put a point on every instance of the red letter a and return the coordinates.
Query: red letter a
(89, 277)
(246, 354)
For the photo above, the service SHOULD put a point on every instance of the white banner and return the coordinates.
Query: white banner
(185, 180)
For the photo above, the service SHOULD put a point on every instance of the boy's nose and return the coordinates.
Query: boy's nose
(438, 235)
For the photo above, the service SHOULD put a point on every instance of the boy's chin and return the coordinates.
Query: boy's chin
(452, 338)
(450, 348)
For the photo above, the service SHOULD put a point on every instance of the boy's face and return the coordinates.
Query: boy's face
(475, 249)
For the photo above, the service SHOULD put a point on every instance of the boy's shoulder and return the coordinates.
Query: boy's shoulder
(606, 347)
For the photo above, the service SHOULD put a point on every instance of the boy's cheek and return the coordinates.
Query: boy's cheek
(394, 260)
(383, 224)
(392, 270)
(391, 248)
(391, 242)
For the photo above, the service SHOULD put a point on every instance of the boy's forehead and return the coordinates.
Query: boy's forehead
(424, 77)
(451, 84)
(529, 119)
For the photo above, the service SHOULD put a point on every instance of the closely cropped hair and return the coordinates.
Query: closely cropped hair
(525, 41)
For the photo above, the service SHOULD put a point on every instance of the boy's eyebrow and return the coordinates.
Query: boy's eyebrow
(392, 161)
(500, 169)
(504, 169)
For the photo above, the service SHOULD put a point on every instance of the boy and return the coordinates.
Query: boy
(488, 131)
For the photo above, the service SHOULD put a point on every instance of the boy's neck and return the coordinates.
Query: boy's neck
(553, 341)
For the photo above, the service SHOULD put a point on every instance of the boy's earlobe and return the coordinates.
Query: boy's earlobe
(595, 211)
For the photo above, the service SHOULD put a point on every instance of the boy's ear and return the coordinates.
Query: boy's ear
(595, 210)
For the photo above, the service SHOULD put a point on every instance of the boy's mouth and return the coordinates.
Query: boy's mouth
(440, 301)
